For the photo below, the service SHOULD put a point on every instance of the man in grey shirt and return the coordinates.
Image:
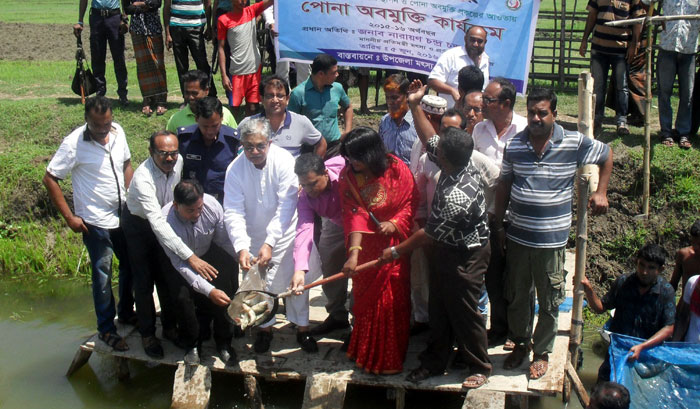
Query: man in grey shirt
(198, 219)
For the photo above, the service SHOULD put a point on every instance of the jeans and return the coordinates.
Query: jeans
(190, 41)
(101, 244)
(104, 30)
(600, 63)
(670, 64)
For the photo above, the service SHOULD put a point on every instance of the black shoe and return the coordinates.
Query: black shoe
(307, 342)
(152, 347)
(192, 356)
(262, 342)
(238, 332)
(419, 328)
(123, 101)
(227, 354)
(330, 324)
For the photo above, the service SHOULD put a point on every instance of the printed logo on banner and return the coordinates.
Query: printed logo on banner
(513, 4)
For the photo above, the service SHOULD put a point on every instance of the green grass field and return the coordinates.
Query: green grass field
(39, 11)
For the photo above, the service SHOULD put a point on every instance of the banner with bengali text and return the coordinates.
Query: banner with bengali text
(409, 35)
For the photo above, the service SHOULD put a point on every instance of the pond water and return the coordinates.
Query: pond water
(41, 328)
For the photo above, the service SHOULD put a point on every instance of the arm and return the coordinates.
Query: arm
(663, 334)
(287, 193)
(594, 303)
(677, 270)
(56, 195)
(423, 127)
(320, 147)
(302, 242)
(500, 204)
(196, 281)
(417, 239)
(128, 173)
(634, 41)
(347, 115)
(441, 86)
(267, 3)
(225, 80)
(355, 241)
(590, 23)
(598, 201)
(234, 216)
(166, 24)
(78, 27)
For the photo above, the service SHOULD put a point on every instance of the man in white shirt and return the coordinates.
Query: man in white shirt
(147, 233)
(260, 200)
(444, 76)
(98, 158)
(500, 123)
(691, 296)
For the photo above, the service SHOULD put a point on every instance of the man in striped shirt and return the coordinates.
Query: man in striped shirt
(187, 28)
(611, 47)
(537, 179)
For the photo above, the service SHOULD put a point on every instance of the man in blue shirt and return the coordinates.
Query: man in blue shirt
(319, 97)
(208, 147)
(396, 128)
(106, 26)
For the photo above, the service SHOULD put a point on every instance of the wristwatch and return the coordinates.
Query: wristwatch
(394, 254)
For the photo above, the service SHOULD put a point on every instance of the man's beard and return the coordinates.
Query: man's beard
(400, 112)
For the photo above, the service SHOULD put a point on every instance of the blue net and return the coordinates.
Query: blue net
(666, 376)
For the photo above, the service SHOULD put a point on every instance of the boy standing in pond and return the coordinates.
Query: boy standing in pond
(687, 259)
(643, 302)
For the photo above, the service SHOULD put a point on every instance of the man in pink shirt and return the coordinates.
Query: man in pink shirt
(320, 198)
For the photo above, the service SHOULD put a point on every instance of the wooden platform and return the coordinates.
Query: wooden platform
(285, 361)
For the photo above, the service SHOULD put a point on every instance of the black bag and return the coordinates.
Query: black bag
(84, 83)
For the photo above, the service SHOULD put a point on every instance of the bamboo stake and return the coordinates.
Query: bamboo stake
(647, 120)
(654, 20)
(562, 38)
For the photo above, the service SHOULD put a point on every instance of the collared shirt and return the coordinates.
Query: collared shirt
(150, 190)
(613, 40)
(486, 138)
(260, 204)
(640, 315)
(458, 215)
(105, 4)
(542, 187)
(198, 236)
(447, 68)
(327, 205)
(295, 131)
(399, 139)
(693, 334)
(187, 13)
(320, 107)
(97, 174)
(680, 35)
(208, 164)
(185, 117)
(239, 31)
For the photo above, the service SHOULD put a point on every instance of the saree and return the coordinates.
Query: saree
(150, 67)
(382, 307)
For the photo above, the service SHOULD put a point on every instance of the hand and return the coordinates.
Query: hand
(123, 28)
(77, 30)
(500, 240)
(168, 41)
(202, 267)
(207, 34)
(244, 260)
(297, 284)
(631, 51)
(350, 266)
(455, 94)
(219, 298)
(386, 256)
(272, 31)
(635, 350)
(585, 283)
(77, 224)
(583, 48)
(225, 81)
(416, 91)
(264, 255)
(387, 228)
(598, 203)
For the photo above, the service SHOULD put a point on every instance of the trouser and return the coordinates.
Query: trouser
(670, 64)
(190, 40)
(331, 248)
(696, 106)
(147, 262)
(545, 268)
(456, 278)
(101, 244)
(420, 288)
(600, 63)
(194, 310)
(103, 31)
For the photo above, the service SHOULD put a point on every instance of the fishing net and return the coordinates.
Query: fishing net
(251, 305)
(666, 376)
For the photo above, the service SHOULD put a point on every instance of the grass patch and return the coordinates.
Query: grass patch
(40, 11)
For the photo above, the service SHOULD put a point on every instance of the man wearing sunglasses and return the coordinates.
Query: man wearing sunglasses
(147, 233)
(98, 158)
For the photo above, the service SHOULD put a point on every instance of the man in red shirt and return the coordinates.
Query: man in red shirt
(237, 28)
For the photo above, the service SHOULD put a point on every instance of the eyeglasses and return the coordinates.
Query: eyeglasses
(477, 110)
(259, 147)
(275, 96)
(165, 154)
(489, 100)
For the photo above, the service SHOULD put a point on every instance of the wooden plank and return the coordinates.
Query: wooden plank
(484, 399)
(191, 387)
(577, 385)
(253, 392)
(400, 398)
(81, 357)
(324, 391)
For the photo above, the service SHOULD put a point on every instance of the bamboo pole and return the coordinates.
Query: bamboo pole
(562, 38)
(647, 115)
(654, 20)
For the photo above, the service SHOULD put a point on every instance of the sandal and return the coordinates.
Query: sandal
(667, 140)
(539, 366)
(516, 358)
(622, 130)
(146, 110)
(114, 340)
(684, 142)
(419, 374)
(474, 381)
(160, 110)
(509, 345)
